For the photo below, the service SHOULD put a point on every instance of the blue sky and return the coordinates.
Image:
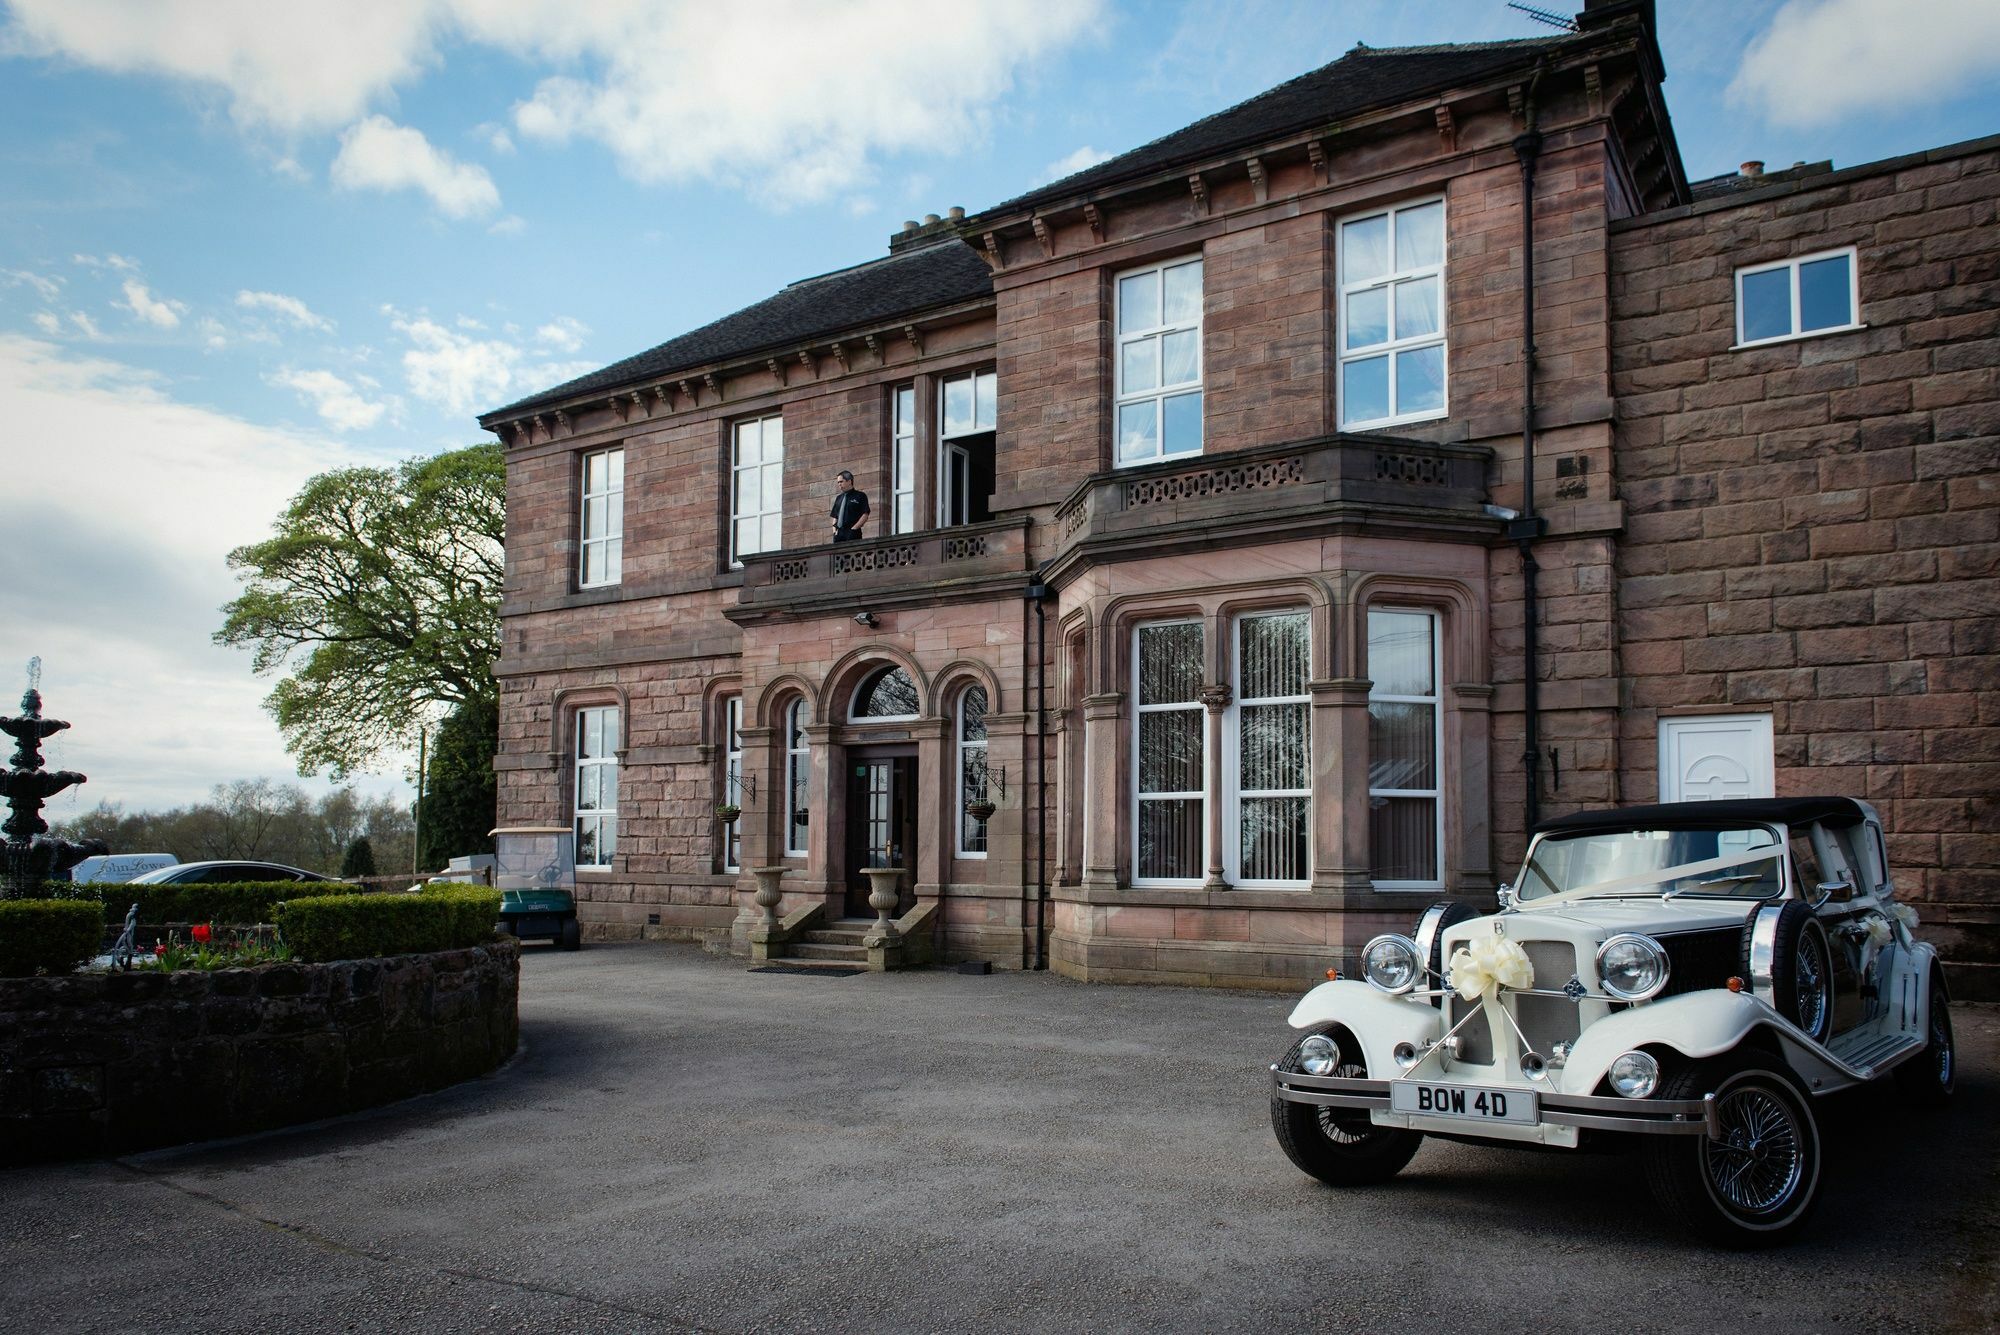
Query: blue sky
(242, 243)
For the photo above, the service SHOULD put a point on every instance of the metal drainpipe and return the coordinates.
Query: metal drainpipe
(1039, 593)
(1528, 527)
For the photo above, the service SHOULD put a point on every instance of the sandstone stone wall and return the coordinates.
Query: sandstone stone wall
(1813, 527)
(105, 1063)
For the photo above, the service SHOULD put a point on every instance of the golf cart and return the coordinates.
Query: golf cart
(534, 868)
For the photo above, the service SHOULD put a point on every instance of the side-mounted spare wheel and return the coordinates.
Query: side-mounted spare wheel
(1429, 934)
(1755, 1185)
(1928, 1078)
(1786, 959)
(1339, 1146)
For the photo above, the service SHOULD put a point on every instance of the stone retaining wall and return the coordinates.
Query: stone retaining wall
(104, 1063)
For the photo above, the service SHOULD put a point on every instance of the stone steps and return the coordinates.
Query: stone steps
(828, 951)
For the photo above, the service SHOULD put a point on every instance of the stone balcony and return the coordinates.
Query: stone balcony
(908, 569)
(1402, 487)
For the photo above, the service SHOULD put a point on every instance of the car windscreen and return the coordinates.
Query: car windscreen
(1725, 861)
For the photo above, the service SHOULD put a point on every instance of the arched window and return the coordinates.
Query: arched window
(732, 780)
(971, 771)
(889, 695)
(798, 777)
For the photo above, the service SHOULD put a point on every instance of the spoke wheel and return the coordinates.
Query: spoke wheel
(1812, 983)
(1755, 1185)
(1928, 1078)
(1340, 1146)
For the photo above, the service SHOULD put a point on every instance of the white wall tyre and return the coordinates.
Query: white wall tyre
(1339, 1146)
(1754, 1187)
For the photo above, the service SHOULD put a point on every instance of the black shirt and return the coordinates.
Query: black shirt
(848, 508)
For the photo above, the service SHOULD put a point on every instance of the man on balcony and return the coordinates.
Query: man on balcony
(850, 508)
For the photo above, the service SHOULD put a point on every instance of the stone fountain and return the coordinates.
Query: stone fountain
(32, 856)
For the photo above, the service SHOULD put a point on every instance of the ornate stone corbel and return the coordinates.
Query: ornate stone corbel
(504, 430)
(807, 361)
(1043, 236)
(1095, 220)
(874, 345)
(777, 369)
(562, 420)
(689, 391)
(993, 256)
(622, 405)
(1260, 180)
(1316, 150)
(665, 394)
(714, 385)
(1198, 188)
(916, 340)
(535, 422)
(840, 355)
(1447, 129)
(1593, 88)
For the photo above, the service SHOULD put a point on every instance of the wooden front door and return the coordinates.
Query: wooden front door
(881, 822)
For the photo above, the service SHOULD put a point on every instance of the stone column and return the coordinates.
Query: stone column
(1340, 784)
(1215, 700)
(826, 826)
(759, 797)
(1103, 813)
(929, 863)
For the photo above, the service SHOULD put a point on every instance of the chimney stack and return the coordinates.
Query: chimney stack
(956, 213)
(1755, 167)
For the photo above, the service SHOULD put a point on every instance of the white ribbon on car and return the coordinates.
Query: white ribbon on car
(1906, 916)
(1766, 853)
(1484, 965)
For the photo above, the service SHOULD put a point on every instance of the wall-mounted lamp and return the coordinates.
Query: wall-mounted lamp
(865, 618)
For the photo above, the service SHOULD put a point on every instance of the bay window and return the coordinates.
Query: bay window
(972, 770)
(1268, 742)
(1405, 738)
(1169, 755)
(1392, 316)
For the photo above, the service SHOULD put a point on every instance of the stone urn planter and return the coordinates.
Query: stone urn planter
(769, 891)
(885, 892)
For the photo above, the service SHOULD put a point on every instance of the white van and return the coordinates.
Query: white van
(120, 866)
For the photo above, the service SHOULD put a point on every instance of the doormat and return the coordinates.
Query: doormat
(812, 973)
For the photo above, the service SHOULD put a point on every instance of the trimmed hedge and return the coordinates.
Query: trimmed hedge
(226, 903)
(353, 927)
(47, 935)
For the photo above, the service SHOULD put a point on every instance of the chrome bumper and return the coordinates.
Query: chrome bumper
(1670, 1117)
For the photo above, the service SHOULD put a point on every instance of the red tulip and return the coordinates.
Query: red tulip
(160, 950)
(200, 932)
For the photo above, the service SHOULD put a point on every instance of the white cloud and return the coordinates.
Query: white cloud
(118, 262)
(511, 225)
(1823, 60)
(292, 169)
(214, 338)
(146, 307)
(338, 403)
(86, 325)
(291, 308)
(126, 595)
(46, 288)
(378, 154)
(563, 333)
(300, 65)
(48, 322)
(496, 137)
(457, 371)
(833, 86)
(1074, 163)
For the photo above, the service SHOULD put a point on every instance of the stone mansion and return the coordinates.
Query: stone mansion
(1271, 523)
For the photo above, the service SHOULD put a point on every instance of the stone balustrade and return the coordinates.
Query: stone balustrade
(886, 571)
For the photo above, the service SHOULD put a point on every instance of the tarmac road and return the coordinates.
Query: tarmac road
(683, 1145)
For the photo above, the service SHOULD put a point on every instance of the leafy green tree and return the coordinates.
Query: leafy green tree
(359, 860)
(379, 599)
(459, 791)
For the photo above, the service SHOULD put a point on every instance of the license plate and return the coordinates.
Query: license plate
(1467, 1102)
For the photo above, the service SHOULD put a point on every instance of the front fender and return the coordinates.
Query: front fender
(1699, 1024)
(1377, 1020)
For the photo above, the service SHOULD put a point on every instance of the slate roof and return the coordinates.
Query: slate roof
(1364, 78)
(948, 272)
(1730, 183)
(892, 287)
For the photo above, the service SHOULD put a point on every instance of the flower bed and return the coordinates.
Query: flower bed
(96, 1063)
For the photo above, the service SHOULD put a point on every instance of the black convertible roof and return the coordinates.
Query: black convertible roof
(1780, 810)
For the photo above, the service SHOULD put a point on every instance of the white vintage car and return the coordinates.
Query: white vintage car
(1689, 979)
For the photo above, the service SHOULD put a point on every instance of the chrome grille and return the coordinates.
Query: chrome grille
(1476, 1039)
(1547, 1021)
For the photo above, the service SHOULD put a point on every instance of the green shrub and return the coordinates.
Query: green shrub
(225, 903)
(47, 935)
(348, 927)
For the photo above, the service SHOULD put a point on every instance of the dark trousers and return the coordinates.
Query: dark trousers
(847, 535)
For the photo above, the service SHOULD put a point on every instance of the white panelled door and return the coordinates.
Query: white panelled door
(1715, 756)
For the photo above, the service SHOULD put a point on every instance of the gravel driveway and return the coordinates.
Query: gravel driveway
(682, 1145)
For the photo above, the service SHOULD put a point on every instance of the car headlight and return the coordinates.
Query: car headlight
(1319, 1055)
(1635, 1075)
(1391, 964)
(1632, 967)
